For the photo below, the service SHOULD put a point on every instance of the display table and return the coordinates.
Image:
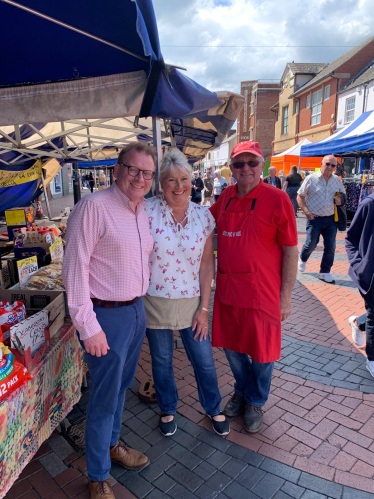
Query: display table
(29, 414)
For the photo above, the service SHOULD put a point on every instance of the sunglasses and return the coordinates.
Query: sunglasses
(240, 164)
(331, 164)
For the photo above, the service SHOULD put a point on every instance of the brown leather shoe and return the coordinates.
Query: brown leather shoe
(129, 458)
(101, 490)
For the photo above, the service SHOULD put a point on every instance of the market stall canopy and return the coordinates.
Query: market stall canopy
(294, 150)
(73, 60)
(99, 139)
(355, 140)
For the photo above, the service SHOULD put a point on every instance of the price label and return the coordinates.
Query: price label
(26, 268)
(57, 249)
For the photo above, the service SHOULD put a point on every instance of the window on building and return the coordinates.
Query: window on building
(350, 105)
(251, 109)
(251, 134)
(296, 108)
(285, 121)
(327, 92)
(316, 107)
(307, 106)
(209, 155)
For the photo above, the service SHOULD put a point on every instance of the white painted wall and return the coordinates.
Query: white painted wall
(358, 92)
(221, 154)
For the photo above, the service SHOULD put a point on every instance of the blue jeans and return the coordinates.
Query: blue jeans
(252, 379)
(327, 228)
(111, 375)
(199, 353)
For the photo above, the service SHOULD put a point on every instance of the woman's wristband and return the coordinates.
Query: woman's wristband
(204, 309)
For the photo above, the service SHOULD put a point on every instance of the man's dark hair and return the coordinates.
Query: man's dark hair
(137, 146)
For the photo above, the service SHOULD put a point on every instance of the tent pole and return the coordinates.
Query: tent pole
(46, 196)
(156, 127)
(76, 183)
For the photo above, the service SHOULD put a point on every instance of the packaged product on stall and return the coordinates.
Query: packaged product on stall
(12, 373)
(10, 314)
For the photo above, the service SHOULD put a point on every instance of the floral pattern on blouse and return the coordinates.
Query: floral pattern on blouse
(175, 260)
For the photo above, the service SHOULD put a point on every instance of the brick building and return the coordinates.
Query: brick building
(311, 109)
(294, 76)
(256, 120)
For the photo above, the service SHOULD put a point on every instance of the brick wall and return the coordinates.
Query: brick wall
(353, 66)
(328, 107)
(264, 119)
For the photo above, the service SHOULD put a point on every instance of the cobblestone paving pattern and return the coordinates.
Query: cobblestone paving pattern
(317, 440)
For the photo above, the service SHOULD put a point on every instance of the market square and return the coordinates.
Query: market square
(186, 275)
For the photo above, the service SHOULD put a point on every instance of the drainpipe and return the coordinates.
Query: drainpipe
(333, 126)
(297, 123)
(364, 102)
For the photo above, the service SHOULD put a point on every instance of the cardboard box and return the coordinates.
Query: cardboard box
(19, 216)
(16, 218)
(53, 301)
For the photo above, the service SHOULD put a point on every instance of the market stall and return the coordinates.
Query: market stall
(30, 414)
(354, 141)
(105, 75)
(283, 161)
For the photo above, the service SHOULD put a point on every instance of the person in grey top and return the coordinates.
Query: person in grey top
(316, 198)
(272, 178)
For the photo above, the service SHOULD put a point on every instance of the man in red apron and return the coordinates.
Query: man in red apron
(257, 265)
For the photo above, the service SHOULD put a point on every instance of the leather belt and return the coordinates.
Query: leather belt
(113, 304)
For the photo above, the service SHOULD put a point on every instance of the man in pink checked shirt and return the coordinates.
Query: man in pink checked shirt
(105, 273)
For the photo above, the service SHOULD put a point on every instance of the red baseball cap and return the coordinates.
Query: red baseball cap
(247, 146)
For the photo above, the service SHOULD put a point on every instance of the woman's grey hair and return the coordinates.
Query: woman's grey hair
(293, 169)
(217, 172)
(174, 158)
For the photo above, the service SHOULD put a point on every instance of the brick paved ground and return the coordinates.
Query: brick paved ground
(317, 441)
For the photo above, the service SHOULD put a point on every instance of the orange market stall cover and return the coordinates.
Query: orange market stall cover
(286, 159)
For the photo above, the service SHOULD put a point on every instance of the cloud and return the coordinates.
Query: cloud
(193, 33)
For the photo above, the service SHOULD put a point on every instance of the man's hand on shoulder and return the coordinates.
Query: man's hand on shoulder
(97, 345)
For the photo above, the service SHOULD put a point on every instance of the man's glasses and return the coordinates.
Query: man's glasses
(240, 164)
(331, 164)
(134, 172)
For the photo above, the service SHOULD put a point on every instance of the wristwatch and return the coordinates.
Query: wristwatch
(205, 309)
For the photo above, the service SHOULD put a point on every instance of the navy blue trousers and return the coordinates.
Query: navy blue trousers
(111, 375)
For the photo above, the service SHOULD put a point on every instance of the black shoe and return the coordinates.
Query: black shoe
(234, 406)
(252, 418)
(222, 428)
(167, 429)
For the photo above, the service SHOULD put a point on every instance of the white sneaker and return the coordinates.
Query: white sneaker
(357, 335)
(370, 366)
(326, 277)
(301, 265)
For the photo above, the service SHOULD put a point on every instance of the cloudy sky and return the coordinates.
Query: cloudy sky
(200, 34)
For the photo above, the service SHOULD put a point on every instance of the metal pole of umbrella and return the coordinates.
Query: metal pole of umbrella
(46, 196)
(95, 179)
(156, 127)
(76, 183)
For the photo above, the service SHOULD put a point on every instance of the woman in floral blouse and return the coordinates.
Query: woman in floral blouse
(181, 275)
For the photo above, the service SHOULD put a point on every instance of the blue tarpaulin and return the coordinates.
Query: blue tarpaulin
(355, 139)
(74, 41)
